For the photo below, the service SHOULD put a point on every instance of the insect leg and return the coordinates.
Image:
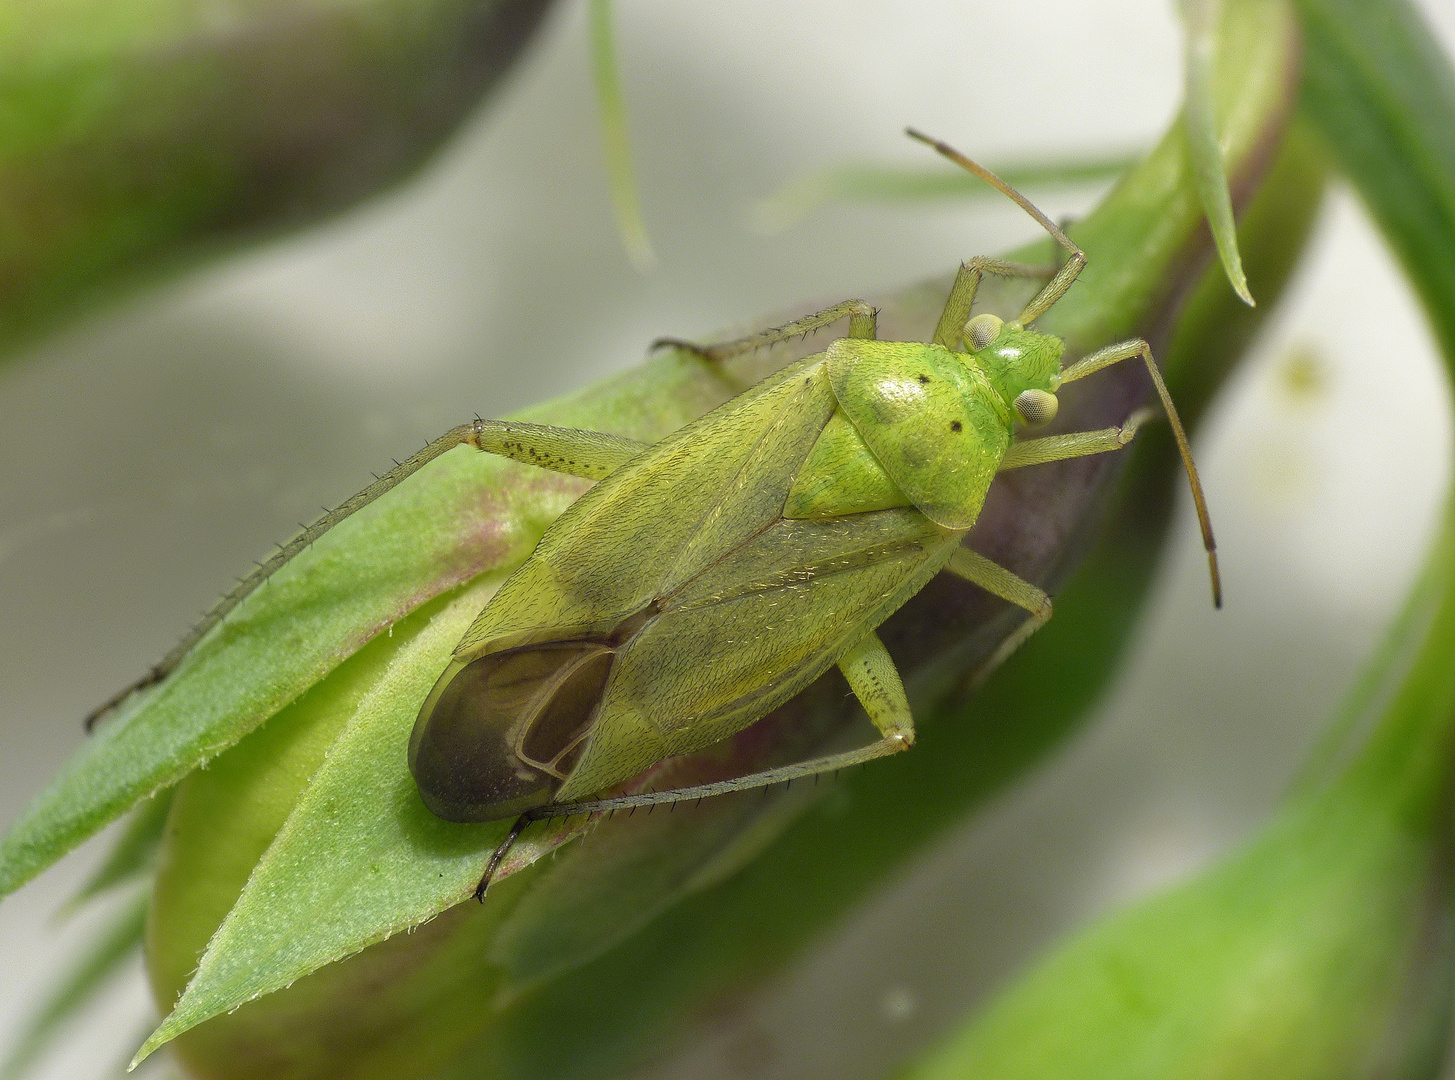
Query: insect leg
(767, 778)
(591, 454)
(581, 453)
(875, 682)
(1128, 350)
(997, 580)
(951, 328)
(456, 436)
(1073, 445)
(499, 853)
(863, 323)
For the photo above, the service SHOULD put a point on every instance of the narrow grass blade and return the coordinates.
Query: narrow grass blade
(881, 183)
(616, 140)
(120, 941)
(133, 853)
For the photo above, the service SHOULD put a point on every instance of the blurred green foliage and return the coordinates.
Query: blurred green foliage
(137, 137)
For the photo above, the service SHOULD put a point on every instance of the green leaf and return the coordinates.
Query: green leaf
(577, 907)
(359, 857)
(119, 941)
(224, 817)
(317, 611)
(1383, 93)
(467, 514)
(1200, 119)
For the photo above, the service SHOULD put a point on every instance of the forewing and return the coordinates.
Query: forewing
(931, 419)
(763, 622)
(659, 519)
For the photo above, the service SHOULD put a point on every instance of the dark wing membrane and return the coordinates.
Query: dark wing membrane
(747, 633)
(499, 730)
(657, 521)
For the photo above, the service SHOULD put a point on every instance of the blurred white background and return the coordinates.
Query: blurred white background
(156, 448)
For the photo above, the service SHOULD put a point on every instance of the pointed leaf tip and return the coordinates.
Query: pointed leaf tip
(359, 858)
(1200, 18)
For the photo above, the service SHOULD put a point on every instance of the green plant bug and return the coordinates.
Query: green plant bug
(707, 578)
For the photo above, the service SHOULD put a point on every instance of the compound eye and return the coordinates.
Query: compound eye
(981, 331)
(1036, 408)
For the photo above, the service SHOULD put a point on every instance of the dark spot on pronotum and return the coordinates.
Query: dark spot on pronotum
(955, 425)
(924, 380)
